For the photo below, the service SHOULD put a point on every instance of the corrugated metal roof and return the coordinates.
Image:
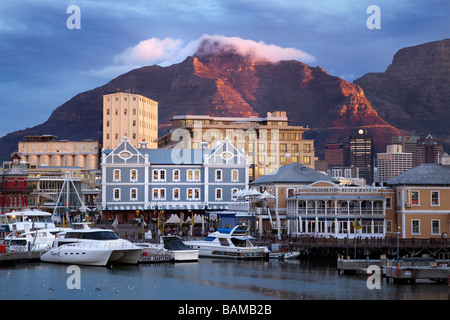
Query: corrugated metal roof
(427, 173)
(294, 173)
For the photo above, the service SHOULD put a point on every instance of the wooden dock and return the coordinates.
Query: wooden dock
(405, 270)
(320, 248)
(19, 256)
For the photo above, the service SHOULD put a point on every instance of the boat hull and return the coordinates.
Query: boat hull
(239, 253)
(183, 255)
(79, 256)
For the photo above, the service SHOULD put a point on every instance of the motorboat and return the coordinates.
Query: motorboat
(35, 240)
(172, 246)
(284, 255)
(19, 221)
(91, 246)
(229, 243)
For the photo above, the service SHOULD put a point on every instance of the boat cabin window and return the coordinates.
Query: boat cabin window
(224, 242)
(14, 219)
(241, 243)
(19, 242)
(96, 235)
(208, 238)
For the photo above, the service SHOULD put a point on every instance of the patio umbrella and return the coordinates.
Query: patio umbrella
(266, 195)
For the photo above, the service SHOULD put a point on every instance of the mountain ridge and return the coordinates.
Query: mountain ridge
(227, 84)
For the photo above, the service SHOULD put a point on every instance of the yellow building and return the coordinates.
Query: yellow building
(270, 142)
(422, 200)
(131, 115)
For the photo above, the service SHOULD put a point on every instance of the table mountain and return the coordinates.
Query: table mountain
(414, 91)
(226, 84)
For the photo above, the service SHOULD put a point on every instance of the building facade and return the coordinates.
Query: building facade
(13, 186)
(270, 142)
(409, 145)
(282, 185)
(362, 154)
(144, 182)
(131, 115)
(393, 162)
(423, 200)
(429, 149)
(46, 150)
(337, 154)
(328, 210)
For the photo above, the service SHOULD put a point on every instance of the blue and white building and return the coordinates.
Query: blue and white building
(140, 182)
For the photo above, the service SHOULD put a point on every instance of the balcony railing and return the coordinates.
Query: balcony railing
(339, 212)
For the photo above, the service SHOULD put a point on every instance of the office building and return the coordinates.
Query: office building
(361, 154)
(337, 154)
(393, 162)
(409, 145)
(429, 149)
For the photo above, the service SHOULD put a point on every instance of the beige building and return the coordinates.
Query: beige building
(270, 142)
(131, 115)
(422, 200)
(45, 150)
(393, 162)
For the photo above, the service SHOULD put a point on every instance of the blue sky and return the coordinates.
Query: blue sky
(43, 63)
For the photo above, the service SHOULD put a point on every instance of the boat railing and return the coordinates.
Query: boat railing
(100, 244)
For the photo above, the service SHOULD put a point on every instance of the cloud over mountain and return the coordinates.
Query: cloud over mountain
(167, 51)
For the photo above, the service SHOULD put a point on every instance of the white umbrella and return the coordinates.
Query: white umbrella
(266, 195)
(173, 219)
(254, 192)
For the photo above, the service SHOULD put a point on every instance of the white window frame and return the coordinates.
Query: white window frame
(114, 175)
(131, 194)
(131, 175)
(390, 203)
(438, 198)
(218, 171)
(414, 233)
(158, 197)
(237, 175)
(193, 172)
(193, 198)
(114, 194)
(221, 194)
(159, 173)
(439, 227)
(179, 175)
(418, 198)
(173, 194)
(233, 191)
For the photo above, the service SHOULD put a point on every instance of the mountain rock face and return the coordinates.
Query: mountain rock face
(414, 91)
(226, 84)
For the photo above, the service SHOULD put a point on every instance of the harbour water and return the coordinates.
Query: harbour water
(207, 279)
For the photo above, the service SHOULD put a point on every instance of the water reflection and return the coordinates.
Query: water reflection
(207, 279)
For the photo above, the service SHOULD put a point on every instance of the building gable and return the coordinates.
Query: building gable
(124, 153)
(225, 153)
